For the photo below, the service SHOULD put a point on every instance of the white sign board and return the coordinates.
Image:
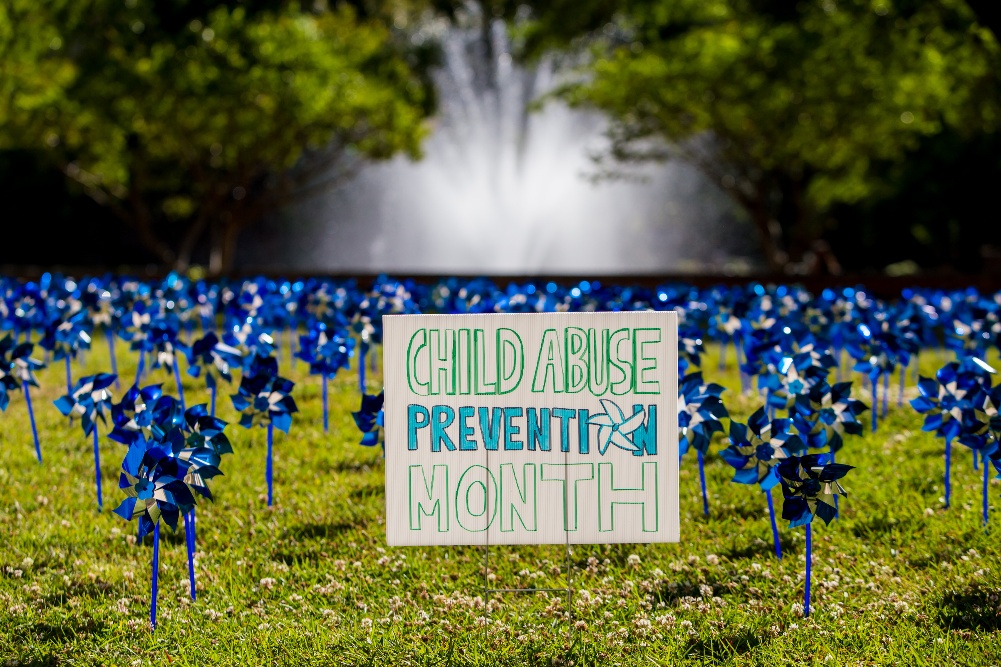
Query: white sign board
(531, 428)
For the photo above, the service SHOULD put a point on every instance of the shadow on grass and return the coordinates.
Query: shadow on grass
(47, 661)
(747, 511)
(674, 591)
(320, 531)
(971, 609)
(96, 589)
(66, 630)
(758, 548)
(346, 466)
(724, 648)
(881, 525)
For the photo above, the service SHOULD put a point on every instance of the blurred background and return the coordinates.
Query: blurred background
(575, 137)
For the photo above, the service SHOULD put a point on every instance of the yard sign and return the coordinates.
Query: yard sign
(531, 429)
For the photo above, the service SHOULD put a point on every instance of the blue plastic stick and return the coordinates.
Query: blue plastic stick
(702, 478)
(874, 384)
(97, 470)
(835, 495)
(326, 414)
(69, 376)
(361, 366)
(986, 481)
(156, 575)
(886, 390)
(177, 379)
(948, 466)
(775, 527)
(31, 416)
(111, 353)
(189, 530)
(213, 400)
(267, 468)
(809, 562)
(975, 466)
(139, 369)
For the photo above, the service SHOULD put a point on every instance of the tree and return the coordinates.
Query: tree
(786, 106)
(191, 120)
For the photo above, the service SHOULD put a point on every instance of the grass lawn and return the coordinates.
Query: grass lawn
(897, 579)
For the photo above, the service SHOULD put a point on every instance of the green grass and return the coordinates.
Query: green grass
(897, 579)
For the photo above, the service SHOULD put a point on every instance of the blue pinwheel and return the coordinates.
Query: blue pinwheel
(265, 399)
(65, 338)
(944, 400)
(327, 350)
(213, 358)
(826, 414)
(370, 419)
(162, 343)
(981, 432)
(690, 349)
(809, 486)
(700, 409)
(160, 484)
(89, 400)
(755, 452)
(17, 370)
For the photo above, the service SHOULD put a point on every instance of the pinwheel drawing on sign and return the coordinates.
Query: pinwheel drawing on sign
(614, 428)
(371, 420)
(17, 370)
(700, 409)
(89, 400)
(215, 360)
(755, 451)
(809, 486)
(327, 351)
(944, 399)
(265, 400)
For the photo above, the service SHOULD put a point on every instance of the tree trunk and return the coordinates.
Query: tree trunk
(195, 232)
(227, 244)
(765, 224)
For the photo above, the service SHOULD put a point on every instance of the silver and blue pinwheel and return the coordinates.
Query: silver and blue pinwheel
(266, 400)
(700, 408)
(89, 400)
(17, 370)
(809, 486)
(371, 420)
(945, 399)
(755, 452)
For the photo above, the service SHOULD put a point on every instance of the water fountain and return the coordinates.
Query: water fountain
(503, 189)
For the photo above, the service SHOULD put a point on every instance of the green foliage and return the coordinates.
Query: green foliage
(786, 106)
(186, 116)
